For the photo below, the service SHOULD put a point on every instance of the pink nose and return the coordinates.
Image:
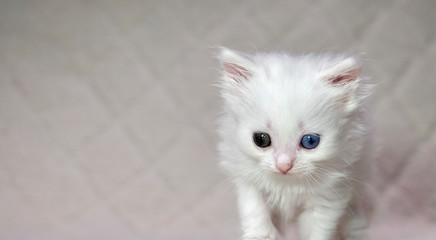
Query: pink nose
(284, 167)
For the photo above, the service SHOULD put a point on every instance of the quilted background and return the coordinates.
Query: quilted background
(107, 111)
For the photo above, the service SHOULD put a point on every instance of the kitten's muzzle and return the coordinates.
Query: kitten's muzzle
(284, 163)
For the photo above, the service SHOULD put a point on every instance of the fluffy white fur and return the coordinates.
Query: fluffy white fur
(288, 96)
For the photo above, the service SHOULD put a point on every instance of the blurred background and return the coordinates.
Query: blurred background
(107, 111)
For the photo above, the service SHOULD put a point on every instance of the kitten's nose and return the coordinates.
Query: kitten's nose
(284, 167)
(284, 163)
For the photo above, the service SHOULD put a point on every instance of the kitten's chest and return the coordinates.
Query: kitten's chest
(288, 203)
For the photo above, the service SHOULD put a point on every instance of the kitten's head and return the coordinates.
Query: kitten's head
(289, 115)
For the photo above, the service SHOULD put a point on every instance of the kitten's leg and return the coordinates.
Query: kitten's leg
(255, 214)
(320, 222)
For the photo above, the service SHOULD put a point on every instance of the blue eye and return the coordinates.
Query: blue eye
(310, 141)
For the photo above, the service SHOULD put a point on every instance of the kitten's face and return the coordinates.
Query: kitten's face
(290, 113)
(287, 130)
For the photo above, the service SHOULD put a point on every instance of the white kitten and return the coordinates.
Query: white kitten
(293, 139)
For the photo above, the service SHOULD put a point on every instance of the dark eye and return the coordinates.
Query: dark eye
(262, 139)
(310, 141)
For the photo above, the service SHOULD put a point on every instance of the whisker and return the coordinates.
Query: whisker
(332, 189)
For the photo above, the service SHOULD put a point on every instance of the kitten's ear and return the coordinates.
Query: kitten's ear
(236, 66)
(345, 72)
(345, 77)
